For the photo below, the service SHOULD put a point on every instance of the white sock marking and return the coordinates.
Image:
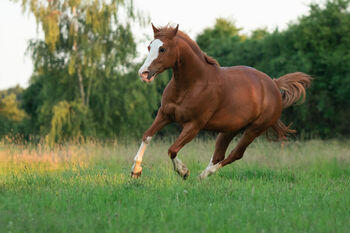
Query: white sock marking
(210, 169)
(138, 158)
(210, 162)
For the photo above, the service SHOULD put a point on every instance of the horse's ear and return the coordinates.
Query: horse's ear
(174, 32)
(155, 30)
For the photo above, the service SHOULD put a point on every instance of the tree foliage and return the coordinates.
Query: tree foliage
(12, 116)
(9, 104)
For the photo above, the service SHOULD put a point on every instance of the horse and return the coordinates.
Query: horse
(201, 95)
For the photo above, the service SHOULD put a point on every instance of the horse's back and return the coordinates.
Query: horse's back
(248, 77)
(246, 74)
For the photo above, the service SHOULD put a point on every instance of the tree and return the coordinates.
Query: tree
(83, 36)
(322, 42)
(12, 117)
(82, 68)
(9, 108)
(227, 34)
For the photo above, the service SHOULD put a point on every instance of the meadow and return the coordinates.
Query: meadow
(302, 186)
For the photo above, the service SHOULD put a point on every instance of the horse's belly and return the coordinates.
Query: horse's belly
(225, 123)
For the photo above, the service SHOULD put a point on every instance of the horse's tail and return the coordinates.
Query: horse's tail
(293, 88)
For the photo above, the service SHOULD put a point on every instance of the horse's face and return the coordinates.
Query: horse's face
(162, 55)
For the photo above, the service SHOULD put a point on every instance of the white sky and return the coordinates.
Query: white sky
(192, 15)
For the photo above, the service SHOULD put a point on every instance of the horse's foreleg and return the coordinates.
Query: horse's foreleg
(189, 131)
(237, 153)
(158, 123)
(136, 169)
(180, 168)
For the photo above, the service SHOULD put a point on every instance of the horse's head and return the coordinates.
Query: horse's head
(162, 54)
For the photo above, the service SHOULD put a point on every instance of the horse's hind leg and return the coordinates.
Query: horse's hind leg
(222, 142)
(237, 153)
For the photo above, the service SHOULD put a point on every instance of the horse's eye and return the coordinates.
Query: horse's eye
(161, 49)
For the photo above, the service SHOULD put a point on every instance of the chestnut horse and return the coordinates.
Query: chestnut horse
(203, 95)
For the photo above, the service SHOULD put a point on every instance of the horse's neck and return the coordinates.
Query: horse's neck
(189, 70)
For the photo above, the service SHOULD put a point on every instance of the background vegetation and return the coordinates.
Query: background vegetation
(85, 80)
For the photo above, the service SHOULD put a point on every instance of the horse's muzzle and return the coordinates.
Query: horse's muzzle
(147, 76)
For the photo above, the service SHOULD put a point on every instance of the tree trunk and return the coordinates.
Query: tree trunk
(81, 86)
(88, 92)
(75, 48)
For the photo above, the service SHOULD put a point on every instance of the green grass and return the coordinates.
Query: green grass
(302, 187)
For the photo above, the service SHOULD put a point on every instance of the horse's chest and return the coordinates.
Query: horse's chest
(178, 113)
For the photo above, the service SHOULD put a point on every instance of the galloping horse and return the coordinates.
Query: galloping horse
(203, 95)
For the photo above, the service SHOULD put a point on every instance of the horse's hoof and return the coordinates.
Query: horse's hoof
(136, 175)
(185, 173)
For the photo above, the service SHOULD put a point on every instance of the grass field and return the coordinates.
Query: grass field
(302, 187)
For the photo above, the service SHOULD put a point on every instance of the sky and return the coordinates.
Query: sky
(193, 16)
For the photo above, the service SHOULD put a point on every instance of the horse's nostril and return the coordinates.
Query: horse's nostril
(144, 74)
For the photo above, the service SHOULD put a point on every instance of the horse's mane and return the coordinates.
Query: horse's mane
(167, 32)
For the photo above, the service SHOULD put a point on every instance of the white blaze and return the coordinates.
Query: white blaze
(153, 54)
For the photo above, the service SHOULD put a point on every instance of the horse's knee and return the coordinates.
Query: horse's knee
(172, 153)
(146, 138)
